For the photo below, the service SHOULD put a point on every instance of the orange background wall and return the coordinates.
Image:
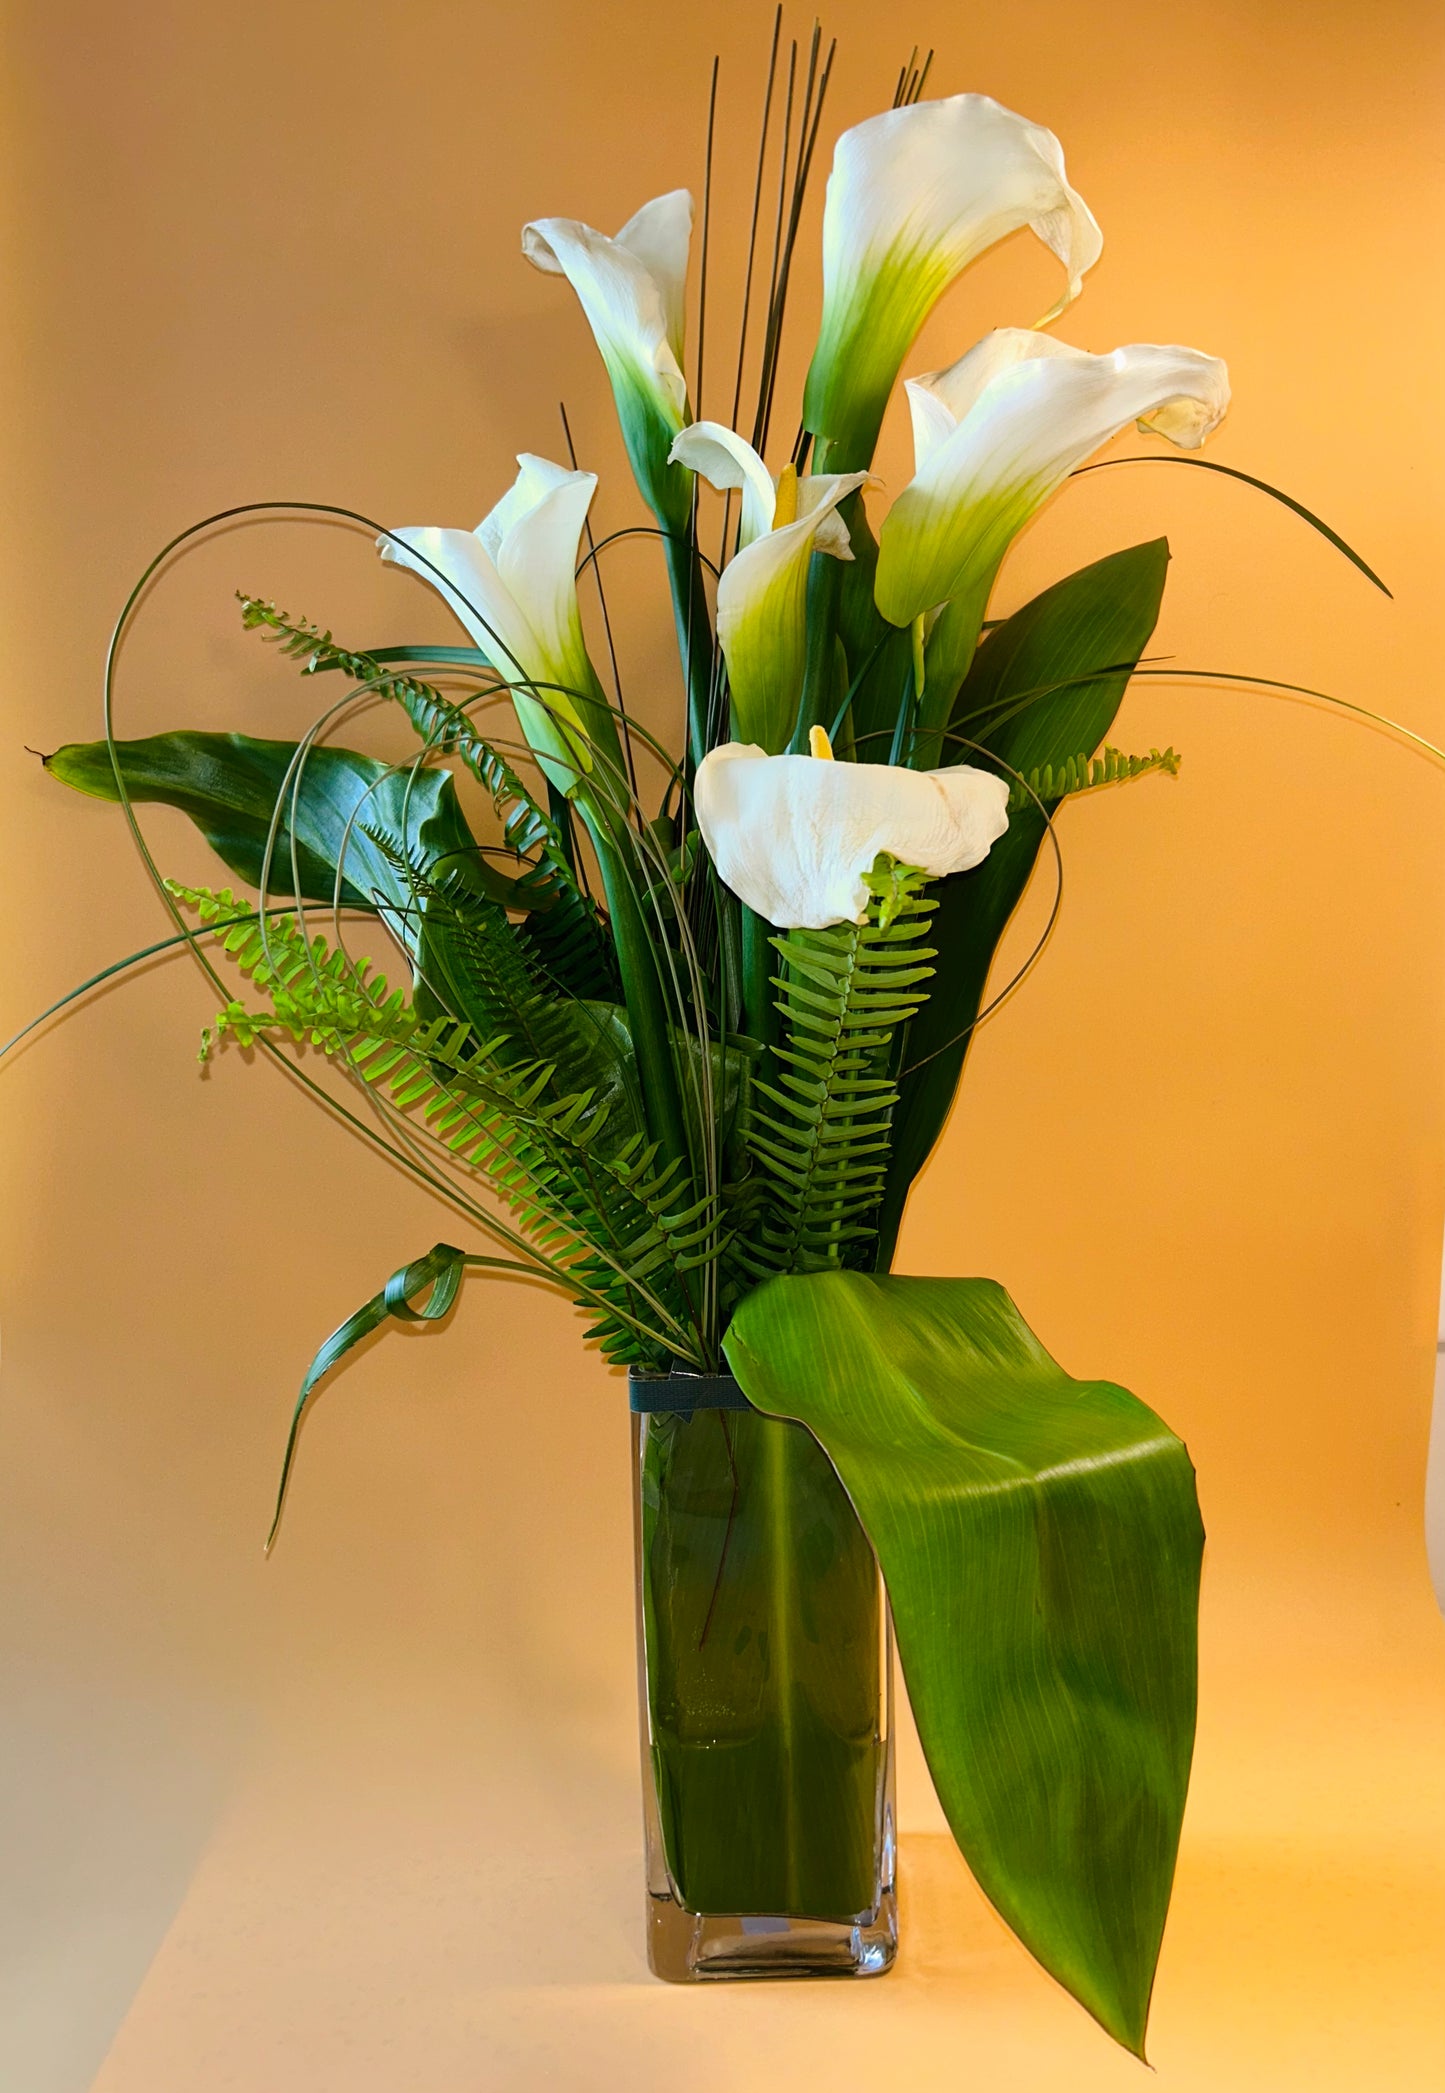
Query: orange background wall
(273, 251)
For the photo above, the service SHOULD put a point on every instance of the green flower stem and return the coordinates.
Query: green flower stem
(759, 963)
(764, 1640)
(642, 985)
(820, 694)
(694, 639)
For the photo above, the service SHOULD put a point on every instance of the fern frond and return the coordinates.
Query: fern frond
(1083, 773)
(608, 1220)
(480, 966)
(568, 936)
(819, 1137)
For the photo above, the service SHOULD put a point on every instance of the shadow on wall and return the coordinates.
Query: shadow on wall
(93, 1882)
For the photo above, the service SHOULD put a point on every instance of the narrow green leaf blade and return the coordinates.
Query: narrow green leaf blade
(1041, 1542)
(440, 1271)
(1278, 494)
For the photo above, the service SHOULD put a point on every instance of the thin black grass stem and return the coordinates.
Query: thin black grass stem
(770, 332)
(706, 238)
(752, 256)
(807, 141)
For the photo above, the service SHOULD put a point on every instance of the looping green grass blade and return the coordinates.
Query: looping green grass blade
(1232, 472)
(440, 1270)
(1041, 1542)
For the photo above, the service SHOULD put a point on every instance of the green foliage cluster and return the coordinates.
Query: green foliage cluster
(672, 1114)
(611, 1222)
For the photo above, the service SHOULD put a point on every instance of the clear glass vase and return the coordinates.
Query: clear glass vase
(766, 1704)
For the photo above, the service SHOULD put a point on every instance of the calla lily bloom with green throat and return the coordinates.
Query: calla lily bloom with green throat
(511, 581)
(915, 195)
(632, 288)
(762, 619)
(994, 436)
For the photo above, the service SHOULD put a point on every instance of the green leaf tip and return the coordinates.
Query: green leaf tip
(439, 1273)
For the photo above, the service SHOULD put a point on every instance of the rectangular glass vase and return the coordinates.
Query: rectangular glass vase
(765, 1680)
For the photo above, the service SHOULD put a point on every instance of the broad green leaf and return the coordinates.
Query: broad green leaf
(1044, 686)
(1040, 1540)
(229, 785)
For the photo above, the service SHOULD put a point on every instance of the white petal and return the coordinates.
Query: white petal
(762, 618)
(939, 400)
(792, 836)
(1027, 410)
(819, 494)
(727, 460)
(660, 235)
(459, 565)
(535, 529)
(634, 314)
(915, 195)
(535, 478)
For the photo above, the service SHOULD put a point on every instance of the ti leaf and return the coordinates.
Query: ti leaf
(1040, 1540)
(229, 785)
(1044, 687)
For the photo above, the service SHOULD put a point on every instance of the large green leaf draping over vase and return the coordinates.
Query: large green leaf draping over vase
(1041, 1542)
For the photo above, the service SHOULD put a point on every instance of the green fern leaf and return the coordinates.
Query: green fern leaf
(615, 1225)
(1083, 773)
(819, 1136)
(565, 929)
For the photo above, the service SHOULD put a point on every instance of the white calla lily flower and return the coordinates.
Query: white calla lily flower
(511, 583)
(632, 289)
(994, 436)
(914, 196)
(793, 836)
(762, 595)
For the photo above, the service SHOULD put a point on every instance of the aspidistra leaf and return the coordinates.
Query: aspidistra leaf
(1040, 1540)
(230, 785)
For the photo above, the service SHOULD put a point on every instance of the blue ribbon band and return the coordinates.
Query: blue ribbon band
(677, 1394)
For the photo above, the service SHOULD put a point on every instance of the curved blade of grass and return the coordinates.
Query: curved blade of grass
(1297, 690)
(1232, 472)
(441, 1271)
(135, 959)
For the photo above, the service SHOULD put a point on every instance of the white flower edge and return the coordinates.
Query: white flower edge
(632, 287)
(511, 583)
(792, 836)
(915, 195)
(728, 461)
(998, 432)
